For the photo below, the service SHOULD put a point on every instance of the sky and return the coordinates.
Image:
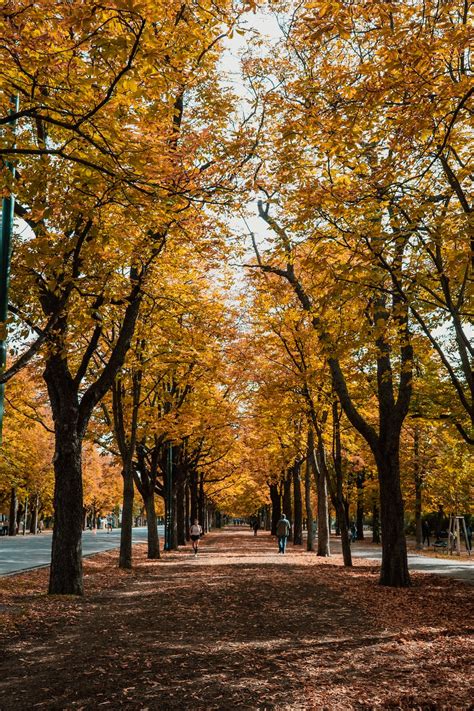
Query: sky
(266, 26)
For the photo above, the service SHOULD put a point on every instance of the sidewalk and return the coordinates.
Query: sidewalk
(451, 566)
(240, 627)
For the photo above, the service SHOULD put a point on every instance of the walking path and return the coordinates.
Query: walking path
(19, 553)
(449, 566)
(239, 627)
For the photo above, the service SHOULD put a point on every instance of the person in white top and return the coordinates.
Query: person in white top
(195, 532)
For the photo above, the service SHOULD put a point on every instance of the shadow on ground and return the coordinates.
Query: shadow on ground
(238, 628)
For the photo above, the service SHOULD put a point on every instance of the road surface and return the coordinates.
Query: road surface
(19, 553)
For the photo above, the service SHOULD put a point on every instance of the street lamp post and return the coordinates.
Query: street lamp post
(8, 206)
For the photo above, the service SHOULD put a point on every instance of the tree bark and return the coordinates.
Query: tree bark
(194, 497)
(394, 569)
(34, 516)
(125, 555)
(12, 529)
(180, 510)
(360, 506)
(320, 475)
(66, 554)
(375, 523)
(19, 516)
(187, 516)
(298, 507)
(275, 498)
(287, 508)
(339, 498)
(307, 492)
(152, 530)
(126, 445)
(200, 504)
(268, 520)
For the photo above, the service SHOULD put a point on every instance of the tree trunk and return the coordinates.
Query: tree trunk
(339, 497)
(180, 510)
(201, 511)
(152, 530)
(394, 569)
(194, 497)
(320, 475)
(360, 506)
(345, 538)
(187, 516)
(375, 523)
(174, 521)
(298, 507)
(345, 503)
(19, 516)
(125, 555)
(34, 516)
(268, 520)
(66, 554)
(287, 508)
(276, 506)
(307, 493)
(12, 528)
(418, 487)
(324, 549)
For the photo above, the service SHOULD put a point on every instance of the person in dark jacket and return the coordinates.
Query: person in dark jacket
(282, 531)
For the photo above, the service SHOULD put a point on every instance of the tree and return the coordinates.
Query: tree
(99, 158)
(26, 470)
(171, 402)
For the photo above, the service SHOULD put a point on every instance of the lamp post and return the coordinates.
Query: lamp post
(8, 205)
(169, 499)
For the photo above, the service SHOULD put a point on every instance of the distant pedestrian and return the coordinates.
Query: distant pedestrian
(110, 524)
(195, 532)
(282, 531)
(425, 529)
(255, 526)
(40, 526)
(353, 532)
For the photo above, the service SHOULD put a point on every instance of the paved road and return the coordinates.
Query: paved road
(19, 553)
(450, 566)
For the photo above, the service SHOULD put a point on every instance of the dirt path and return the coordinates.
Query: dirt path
(238, 628)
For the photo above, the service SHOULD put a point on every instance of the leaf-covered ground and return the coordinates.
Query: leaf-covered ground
(238, 628)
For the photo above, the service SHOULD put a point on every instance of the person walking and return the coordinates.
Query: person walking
(255, 526)
(282, 531)
(195, 532)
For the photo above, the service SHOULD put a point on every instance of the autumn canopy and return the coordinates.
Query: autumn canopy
(241, 269)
